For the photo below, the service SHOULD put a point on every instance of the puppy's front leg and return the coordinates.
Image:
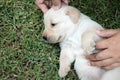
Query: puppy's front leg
(89, 39)
(66, 58)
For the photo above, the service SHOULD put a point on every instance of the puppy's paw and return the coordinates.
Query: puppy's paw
(90, 47)
(63, 72)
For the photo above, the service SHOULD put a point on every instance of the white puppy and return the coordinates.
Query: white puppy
(76, 34)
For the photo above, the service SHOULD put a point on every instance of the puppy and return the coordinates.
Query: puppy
(76, 34)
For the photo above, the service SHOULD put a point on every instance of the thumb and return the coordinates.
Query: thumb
(41, 5)
(106, 33)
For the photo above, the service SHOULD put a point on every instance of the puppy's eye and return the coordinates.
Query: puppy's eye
(53, 24)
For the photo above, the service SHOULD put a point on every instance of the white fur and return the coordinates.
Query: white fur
(73, 46)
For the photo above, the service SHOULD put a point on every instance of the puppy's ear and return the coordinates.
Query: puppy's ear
(73, 13)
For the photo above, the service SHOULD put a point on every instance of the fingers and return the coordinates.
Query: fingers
(104, 59)
(106, 33)
(44, 4)
(41, 5)
(66, 1)
(99, 56)
(112, 66)
(103, 44)
(56, 4)
(103, 63)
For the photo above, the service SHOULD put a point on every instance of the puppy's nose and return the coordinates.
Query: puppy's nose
(45, 37)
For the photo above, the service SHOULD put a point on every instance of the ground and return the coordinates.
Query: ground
(23, 53)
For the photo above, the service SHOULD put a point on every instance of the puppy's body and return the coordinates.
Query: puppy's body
(76, 34)
(74, 47)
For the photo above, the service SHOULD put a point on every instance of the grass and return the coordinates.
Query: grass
(23, 53)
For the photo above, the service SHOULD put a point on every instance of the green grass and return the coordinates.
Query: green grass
(23, 53)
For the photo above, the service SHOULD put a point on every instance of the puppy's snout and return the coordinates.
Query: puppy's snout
(45, 37)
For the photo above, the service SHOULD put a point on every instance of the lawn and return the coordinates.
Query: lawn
(23, 53)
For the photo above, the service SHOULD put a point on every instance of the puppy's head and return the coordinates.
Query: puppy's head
(60, 24)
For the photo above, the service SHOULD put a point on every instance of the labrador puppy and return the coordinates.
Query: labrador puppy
(77, 36)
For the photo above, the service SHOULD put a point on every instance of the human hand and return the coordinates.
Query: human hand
(44, 4)
(109, 57)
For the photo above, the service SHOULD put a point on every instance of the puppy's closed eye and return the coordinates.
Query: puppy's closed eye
(53, 24)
